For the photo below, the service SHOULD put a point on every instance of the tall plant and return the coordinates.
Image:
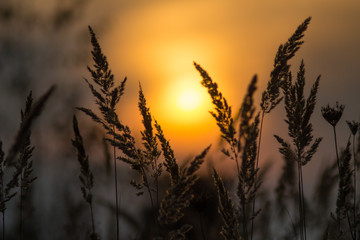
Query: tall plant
(242, 148)
(298, 114)
(107, 97)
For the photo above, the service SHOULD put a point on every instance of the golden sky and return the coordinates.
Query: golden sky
(156, 42)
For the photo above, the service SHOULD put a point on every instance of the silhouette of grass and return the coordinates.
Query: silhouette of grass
(175, 197)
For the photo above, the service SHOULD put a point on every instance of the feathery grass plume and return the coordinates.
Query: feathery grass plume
(170, 161)
(86, 177)
(343, 202)
(271, 96)
(222, 116)
(106, 98)
(327, 180)
(298, 114)
(144, 162)
(286, 184)
(151, 152)
(231, 226)
(22, 149)
(3, 197)
(222, 112)
(180, 234)
(243, 148)
(26, 125)
(354, 126)
(24, 165)
(178, 196)
(247, 142)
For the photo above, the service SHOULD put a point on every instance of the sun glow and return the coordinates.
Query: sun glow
(189, 100)
(186, 101)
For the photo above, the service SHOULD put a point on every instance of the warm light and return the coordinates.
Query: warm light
(186, 102)
(189, 100)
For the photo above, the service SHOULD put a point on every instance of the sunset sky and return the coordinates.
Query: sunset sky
(156, 43)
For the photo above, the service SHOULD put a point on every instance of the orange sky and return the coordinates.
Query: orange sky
(156, 43)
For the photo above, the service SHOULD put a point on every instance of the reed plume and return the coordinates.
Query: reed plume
(19, 155)
(231, 226)
(242, 148)
(298, 114)
(354, 126)
(86, 176)
(271, 97)
(107, 97)
(24, 165)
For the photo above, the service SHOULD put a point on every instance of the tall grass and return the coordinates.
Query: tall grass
(299, 111)
(171, 189)
(19, 160)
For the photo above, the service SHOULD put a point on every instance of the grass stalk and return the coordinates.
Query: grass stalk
(301, 203)
(3, 225)
(336, 149)
(338, 163)
(257, 166)
(21, 207)
(354, 200)
(146, 183)
(202, 227)
(116, 190)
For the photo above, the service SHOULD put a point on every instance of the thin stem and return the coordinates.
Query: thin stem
(300, 202)
(21, 205)
(338, 163)
(292, 222)
(257, 166)
(156, 183)
(233, 149)
(116, 190)
(3, 224)
(245, 230)
(354, 211)
(303, 202)
(336, 149)
(202, 227)
(149, 190)
(92, 218)
(349, 223)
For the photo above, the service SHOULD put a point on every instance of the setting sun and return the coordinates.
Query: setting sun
(189, 100)
(186, 101)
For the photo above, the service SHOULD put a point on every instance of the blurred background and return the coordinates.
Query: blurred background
(155, 43)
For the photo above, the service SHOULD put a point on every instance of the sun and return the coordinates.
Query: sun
(189, 99)
(185, 101)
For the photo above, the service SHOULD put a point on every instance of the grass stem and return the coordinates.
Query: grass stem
(354, 203)
(116, 191)
(202, 227)
(257, 166)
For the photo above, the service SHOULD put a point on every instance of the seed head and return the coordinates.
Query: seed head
(332, 114)
(354, 126)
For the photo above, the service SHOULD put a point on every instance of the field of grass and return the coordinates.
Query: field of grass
(171, 199)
